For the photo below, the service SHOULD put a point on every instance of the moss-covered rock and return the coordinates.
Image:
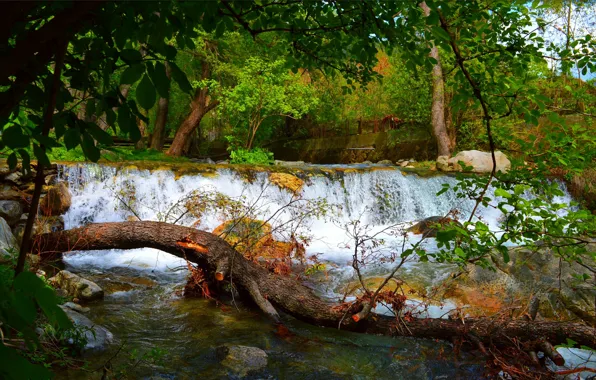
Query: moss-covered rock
(287, 181)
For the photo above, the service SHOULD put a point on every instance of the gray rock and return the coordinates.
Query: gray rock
(480, 162)
(202, 160)
(367, 162)
(98, 337)
(11, 211)
(288, 163)
(14, 177)
(8, 243)
(76, 307)
(403, 164)
(222, 162)
(385, 162)
(76, 286)
(241, 359)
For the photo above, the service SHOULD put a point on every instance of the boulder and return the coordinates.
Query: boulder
(366, 162)
(57, 201)
(287, 181)
(11, 211)
(8, 243)
(98, 337)
(241, 359)
(429, 226)
(481, 162)
(77, 286)
(385, 162)
(403, 164)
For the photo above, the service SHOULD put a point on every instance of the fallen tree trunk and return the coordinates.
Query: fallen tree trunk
(271, 292)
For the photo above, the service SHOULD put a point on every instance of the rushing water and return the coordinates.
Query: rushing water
(148, 315)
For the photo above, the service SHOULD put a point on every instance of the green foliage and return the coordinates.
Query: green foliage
(257, 156)
(20, 300)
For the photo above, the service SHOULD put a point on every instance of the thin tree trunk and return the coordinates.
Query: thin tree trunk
(201, 104)
(39, 177)
(438, 99)
(159, 135)
(270, 291)
(139, 145)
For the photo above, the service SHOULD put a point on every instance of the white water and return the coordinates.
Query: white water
(378, 198)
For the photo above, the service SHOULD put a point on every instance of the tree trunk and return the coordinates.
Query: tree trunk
(200, 105)
(139, 145)
(438, 99)
(158, 138)
(272, 292)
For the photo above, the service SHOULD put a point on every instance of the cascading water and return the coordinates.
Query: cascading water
(152, 316)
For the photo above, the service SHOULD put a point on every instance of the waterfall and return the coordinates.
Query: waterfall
(378, 198)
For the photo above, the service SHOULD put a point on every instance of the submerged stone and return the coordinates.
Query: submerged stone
(98, 337)
(242, 359)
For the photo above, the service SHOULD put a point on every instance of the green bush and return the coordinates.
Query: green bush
(255, 156)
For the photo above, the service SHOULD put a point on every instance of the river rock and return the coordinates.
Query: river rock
(385, 162)
(222, 162)
(202, 160)
(481, 162)
(288, 163)
(57, 201)
(77, 286)
(8, 243)
(428, 226)
(403, 164)
(98, 337)
(76, 307)
(241, 359)
(11, 211)
(287, 181)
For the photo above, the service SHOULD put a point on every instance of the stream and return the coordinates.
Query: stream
(144, 308)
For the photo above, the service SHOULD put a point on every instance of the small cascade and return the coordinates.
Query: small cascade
(378, 198)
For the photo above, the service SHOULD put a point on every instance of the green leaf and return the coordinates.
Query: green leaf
(14, 138)
(145, 93)
(131, 55)
(89, 148)
(132, 74)
(445, 236)
(12, 161)
(160, 79)
(440, 33)
(502, 193)
(41, 155)
(180, 78)
(72, 138)
(99, 134)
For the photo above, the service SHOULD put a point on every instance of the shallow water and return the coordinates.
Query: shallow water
(149, 313)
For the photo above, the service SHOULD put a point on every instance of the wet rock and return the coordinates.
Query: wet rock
(14, 177)
(403, 164)
(481, 162)
(242, 359)
(11, 211)
(385, 162)
(366, 162)
(98, 337)
(202, 160)
(288, 163)
(57, 201)
(222, 162)
(287, 181)
(77, 286)
(76, 307)
(8, 243)
(429, 227)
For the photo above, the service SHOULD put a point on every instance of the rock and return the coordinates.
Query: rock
(14, 177)
(222, 162)
(76, 307)
(288, 163)
(57, 201)
(61, 293)
(12, 195)
(410, 167)
(98, 337)
(202, 160)
(52, 179)
(77, 286)
(443, 163)
(11, 211)
(385, 162)
(241, 359)
(428, 226)
(287, 181)
(481, 162)
(367, 163)
(403, 164)
(8, 243)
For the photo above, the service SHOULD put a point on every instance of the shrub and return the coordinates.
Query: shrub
(256, 156)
